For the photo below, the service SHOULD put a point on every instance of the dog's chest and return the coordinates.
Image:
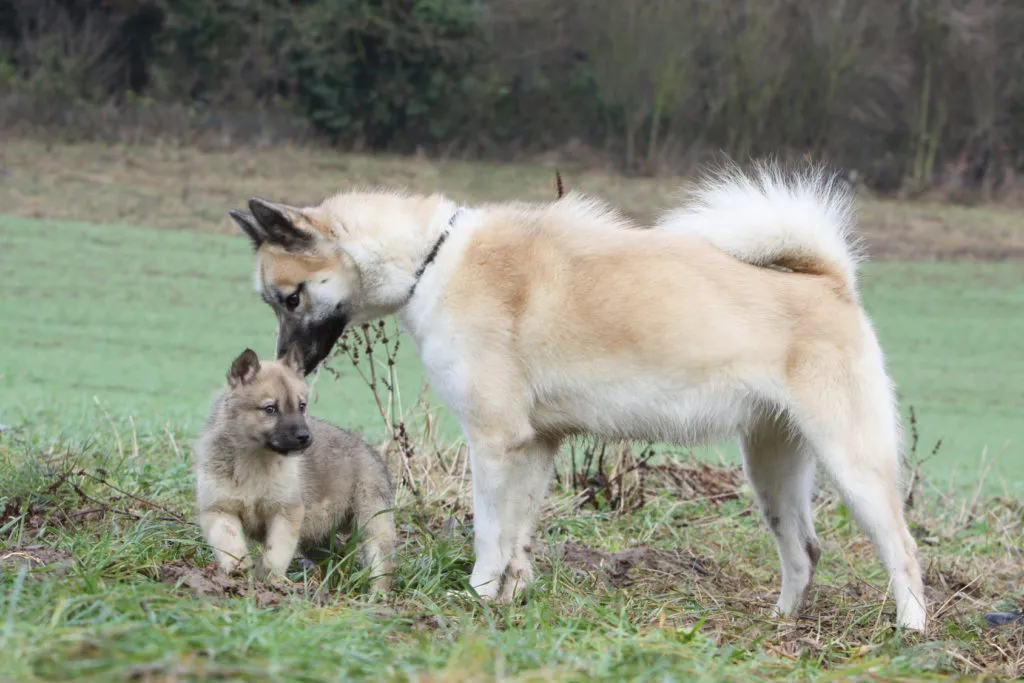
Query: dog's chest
(259, 491)
(278, 481)
(441, 349)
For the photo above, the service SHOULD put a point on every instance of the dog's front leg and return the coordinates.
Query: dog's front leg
(283, 533)
(509, 485)
(223, 532)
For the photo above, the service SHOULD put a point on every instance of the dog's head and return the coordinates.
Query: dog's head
(309, 280)
(346, 261)
(267, 402)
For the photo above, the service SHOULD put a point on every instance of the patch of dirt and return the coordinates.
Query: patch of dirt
(205, 582)
(699, 481)
(951, 582)
(35, 518)
(36, 557)
(10, 511)
(615, 567)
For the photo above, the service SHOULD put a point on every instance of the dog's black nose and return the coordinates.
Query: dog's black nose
(303, 437)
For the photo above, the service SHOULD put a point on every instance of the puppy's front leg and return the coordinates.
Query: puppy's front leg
(223, 532)
(283, 533)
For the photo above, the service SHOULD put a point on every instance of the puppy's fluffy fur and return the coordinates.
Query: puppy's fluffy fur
(268, 473)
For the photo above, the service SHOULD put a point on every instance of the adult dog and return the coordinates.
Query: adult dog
(737, 314)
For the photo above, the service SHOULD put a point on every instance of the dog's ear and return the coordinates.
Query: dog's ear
(247, 222)
(244, 369)
(292, 360)
(281, 224)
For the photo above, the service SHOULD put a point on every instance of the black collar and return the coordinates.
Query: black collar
(432, 254)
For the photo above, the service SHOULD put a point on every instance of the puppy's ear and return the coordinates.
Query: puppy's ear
(292, 360)
(247, 222)
(281, 224)
(244, 369)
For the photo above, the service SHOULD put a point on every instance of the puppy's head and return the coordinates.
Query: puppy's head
(267, 402)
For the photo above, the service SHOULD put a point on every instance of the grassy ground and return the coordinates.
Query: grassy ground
(102, 568)
(145, 323)
(115, 339)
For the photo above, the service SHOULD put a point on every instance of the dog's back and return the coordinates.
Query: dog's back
(339, 473)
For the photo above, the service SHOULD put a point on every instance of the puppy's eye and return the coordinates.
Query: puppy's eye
(302, 406)
(292, 302)
(270, 410)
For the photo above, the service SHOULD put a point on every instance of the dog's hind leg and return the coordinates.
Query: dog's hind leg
(780, 466)
(857, 441)
(378, 541)
(510, 482)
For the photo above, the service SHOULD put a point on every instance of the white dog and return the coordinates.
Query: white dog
(737, 315)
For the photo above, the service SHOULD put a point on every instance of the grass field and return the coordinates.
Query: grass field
(145, 323)
(115, 338)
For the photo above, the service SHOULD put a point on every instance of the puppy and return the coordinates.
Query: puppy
(267, 472)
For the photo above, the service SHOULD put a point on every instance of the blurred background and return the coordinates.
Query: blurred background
(908, 96)
(129, 127)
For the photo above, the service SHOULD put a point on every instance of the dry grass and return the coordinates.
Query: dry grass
(178, 188)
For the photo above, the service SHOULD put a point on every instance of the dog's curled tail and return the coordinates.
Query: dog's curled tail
(801, 221)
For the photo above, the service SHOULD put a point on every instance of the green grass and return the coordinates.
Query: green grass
(952, 333)
(146, 322)
(143, 322)
(106, 616)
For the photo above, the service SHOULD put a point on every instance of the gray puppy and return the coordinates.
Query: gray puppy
(267, 472)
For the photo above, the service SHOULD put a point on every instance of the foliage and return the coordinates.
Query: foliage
(907, 94)
(383, 71)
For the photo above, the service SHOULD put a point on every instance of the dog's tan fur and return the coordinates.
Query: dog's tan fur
(287, 501)
(737, 314)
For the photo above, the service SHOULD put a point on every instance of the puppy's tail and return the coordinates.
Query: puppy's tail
(800, 221)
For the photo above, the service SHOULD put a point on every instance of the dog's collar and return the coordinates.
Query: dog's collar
(432, 254)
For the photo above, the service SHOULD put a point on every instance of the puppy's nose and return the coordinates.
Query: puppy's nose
(303, 437)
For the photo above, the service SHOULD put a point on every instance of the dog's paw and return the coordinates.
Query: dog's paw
(466, 594)
(269, 575)
(231, 568)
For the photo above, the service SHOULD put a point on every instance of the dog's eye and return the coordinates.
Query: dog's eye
(292, 302)
(302, 406)
(270, 410)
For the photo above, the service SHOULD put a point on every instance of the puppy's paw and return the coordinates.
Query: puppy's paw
(381, 586)
(268, 574)
(229, 567)
(278, 581)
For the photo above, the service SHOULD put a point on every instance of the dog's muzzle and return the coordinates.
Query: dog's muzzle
(314, 340)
